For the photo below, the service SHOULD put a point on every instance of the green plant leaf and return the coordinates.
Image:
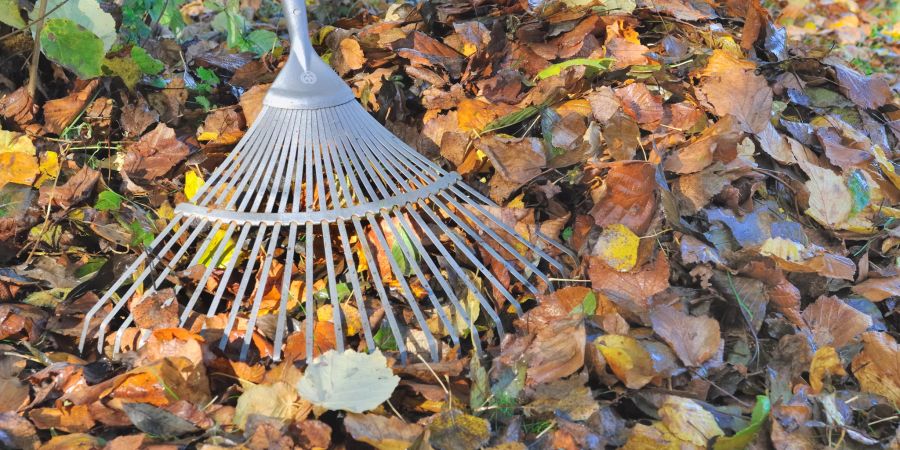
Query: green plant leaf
(148, 64)
(511, 119)
(348, 381)
(9, 14)
(124, 68)
(140, 236)
(86, 13)
(208, 76)
(73, 47)
(600, 64)
(108, 201)
(742, 438)
(262, 41)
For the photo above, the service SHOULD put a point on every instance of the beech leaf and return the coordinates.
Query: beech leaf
(348, 381)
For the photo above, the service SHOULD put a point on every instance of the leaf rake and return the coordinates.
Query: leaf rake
(315, 169)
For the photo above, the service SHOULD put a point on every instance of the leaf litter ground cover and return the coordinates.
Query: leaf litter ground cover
(724, 172)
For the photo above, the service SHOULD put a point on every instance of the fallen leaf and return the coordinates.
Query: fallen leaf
(455, 430)
(825, 363)
(878, 289)
(223, 126)
(731, 87)
(251, 102)
(869, 92)
(743, 438)
(75, 190)
(830, 202)
(155, 310)
(75, 441)
(157, 421)
(136, 117)
(631, 290)
(570, 396)
(835, 323)
(877, 366)
(694, 339)
(688, 421)
(71, 419)
(383, 433)
(154, 154)
(19, 168)
(642, 105)
(629, 361)
(617, 247)
(60, 113)
(276, 400)
(628, 197)
(17, 432)
(348, 381)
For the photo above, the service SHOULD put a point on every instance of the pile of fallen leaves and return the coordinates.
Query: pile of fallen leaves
(725, 173)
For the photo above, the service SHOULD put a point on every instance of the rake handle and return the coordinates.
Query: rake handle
(298, 29)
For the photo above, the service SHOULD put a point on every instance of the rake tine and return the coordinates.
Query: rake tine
(229, 268)
(379, 287)
(285, 292)
(101, 332)
(121, 280)
(235, 156)
(216, 256)
(260, 290)
(245, 280)
(462, 246)
(310, 301)
(404, 286)
(391, 141)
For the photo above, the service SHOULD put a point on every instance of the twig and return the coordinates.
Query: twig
(36, 55)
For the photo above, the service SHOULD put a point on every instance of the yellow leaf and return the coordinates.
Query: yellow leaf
(618, 247)
(49, 167)
(580, 106)
(206, 258)
(688, 421)
(825, 362)
(350, 319)
(208, 136)
(18, 168)
(783, 248)
(16, 143)
(192, 183)
(629, 361)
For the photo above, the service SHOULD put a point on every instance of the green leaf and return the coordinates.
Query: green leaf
(398, 253)
(588, 306)
(743, 438)
(73, 47)
(620, 6)
(140, 236)
(385, 340)
(204, 102)
(262, 41)
(348, 381)
(859, 190)
(47, 299)
(90, 267)
(124, 68)
(86, 13)
(481, 388)
(208, 76)
(148, 64)
(9, 14)
(600, 64)
(511, 119)
(108, 201)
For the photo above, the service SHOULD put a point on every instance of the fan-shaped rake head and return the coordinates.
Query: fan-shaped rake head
(318, 196)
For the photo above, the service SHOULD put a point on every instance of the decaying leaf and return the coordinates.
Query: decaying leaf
(154, 154)
(694, 339)
(455, 430)
(835, 323)
(383, 433)
(877, 367)
(629, 361)
(826, 362)
(275, 400)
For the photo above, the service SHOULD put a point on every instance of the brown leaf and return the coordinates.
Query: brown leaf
(323, 340)
(382, 432)
(869, 92)
(17, 432)
(423, 50)
(19, 321)
(75, 441)
(75, 190)
(631, 290)
(223, 126)
(155, 154)
(642, 105)
(169, 102)
(136, 117)
(877, 367)
(622, 136)
(18, 107)
(689, 10)
(731, 87)
(626, 53)
(629, 197)
(352, 55)
(694, 339)
(71, 419)
(155, 310)
(13, 394)
(834, 322)
(59, 113)
(570, 396)
(714, 143)
(878, 289)
(516, 161)
(251, 102)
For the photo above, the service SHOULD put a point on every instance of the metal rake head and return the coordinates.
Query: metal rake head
(317, 181)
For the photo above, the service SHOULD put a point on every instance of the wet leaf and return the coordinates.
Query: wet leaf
(455, 430)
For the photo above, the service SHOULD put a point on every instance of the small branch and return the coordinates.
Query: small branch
(36, 55)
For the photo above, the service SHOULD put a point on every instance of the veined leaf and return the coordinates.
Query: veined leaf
(148, 64)
(73, 47)
(108, 201)
(87, 14)
(511, 119)
(348, 381)
(9, 14)
(600, 64)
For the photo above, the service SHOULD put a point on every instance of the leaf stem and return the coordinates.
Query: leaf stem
(36, 55)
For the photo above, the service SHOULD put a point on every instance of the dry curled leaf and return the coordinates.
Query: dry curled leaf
(877, 367)
(154, 155)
